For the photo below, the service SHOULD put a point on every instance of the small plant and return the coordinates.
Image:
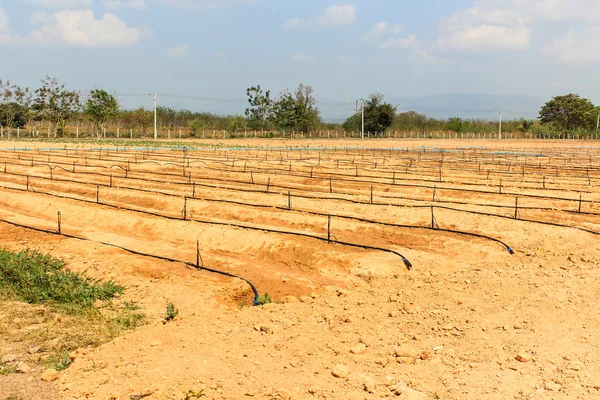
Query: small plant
(265, 299)
(190, 394)
(7, 369)
(36, 278)
(61, 361)
(171, 312)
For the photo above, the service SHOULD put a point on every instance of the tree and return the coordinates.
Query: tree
(56, 104)
(379, 116)
(13, 115)
(307, 113)
(569, 112)
(101, 107)
(14, 105)
(454, 124)
(297, 111)
(142, 119)
(261, 107)
(525, 125)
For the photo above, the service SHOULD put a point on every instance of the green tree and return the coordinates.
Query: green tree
(12, 115)
(101, 107)
(569, 112)
(261, 107)
(15, 103)
(56, 104)
(379, 115)
(297, 111)
(525, 125)
(238, 124)
(454, 124)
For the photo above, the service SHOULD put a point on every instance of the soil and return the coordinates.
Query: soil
(454, 327)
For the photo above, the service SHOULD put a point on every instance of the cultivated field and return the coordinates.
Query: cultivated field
(464, 269)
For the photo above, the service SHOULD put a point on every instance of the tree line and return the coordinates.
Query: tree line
(55, 105)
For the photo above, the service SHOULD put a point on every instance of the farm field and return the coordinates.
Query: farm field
(461, 269)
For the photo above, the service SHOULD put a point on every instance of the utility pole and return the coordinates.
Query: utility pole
(500, 124)
(598, 123)
(155, 117)
(155, 127)
(362, 136)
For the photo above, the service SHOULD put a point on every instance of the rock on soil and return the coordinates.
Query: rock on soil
(340, 371)
(49, 375)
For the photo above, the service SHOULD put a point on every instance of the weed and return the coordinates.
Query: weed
(171, 312)
(128, 319)
(265, 299)
(129, 306)
(7, 369)
(190, 394)
(37, 291)
(60, 361)
(35, 278)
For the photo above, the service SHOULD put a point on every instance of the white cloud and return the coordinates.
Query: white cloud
(382, 28)
(191, 4)
(400, 43)
(78, 28)
(423, 57)
(60, 3)
(338, 15)
(303, 58)
(506, 24)
(219, 54)
(478, 29)
(178, 51)
(294, 23)
(333, 16)
(133, 4)
(549, 10)
(4, 27)
(575, 48)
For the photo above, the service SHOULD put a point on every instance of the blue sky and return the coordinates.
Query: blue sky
(343, 49)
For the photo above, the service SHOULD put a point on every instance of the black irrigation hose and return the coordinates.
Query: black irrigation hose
(407, 263)
(271, 171)
(347, 180)
(198, 267)
(315, 197)
(510, 250)
(348, 194)
(519, 219)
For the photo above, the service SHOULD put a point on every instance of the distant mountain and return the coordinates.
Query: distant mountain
(464, 105)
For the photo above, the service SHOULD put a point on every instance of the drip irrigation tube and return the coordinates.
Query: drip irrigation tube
(130, 176)
(312, 197)
(289, 209)
(406, 262)
(341, 178)
(198, 267)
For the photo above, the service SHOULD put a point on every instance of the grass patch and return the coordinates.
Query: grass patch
(7, 369)
(36, 278)
(264, 299)
(171, 312)
(44, 304)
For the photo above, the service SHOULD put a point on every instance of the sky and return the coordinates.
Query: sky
(345, 50)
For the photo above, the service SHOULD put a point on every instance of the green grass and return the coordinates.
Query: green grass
(171, 312)
(35, 278)
(190, 394)
(7, 369)
(44, 304)
(264, 299)
(60, 361)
